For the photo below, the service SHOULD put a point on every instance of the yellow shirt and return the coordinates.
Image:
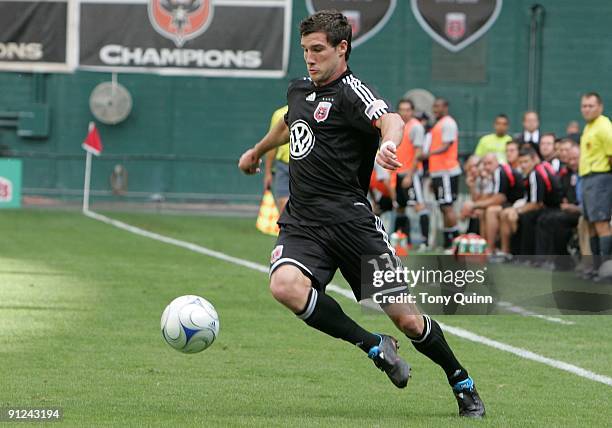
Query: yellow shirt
(493, 144)
(282, 153)
(596, 146)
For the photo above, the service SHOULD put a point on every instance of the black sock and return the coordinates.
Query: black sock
(450, 233)
(433, 345)
(400, 222)
(605, 245)
(325, 314)
(424, 223)
(594, 241)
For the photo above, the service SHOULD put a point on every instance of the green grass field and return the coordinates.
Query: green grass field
(80, 303)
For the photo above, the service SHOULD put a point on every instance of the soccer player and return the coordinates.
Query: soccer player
(541, 190)
(495, 142)
(507, 189)
(547, 151)
(444, 166)
(409, 185)
(335, 123)
(512, 154)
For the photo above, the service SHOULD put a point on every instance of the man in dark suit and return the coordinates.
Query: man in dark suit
(531, 131)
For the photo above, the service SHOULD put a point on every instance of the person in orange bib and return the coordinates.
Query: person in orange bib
(444, 166)
(408, 178)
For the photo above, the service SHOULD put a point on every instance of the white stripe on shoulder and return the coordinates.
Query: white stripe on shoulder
(375, 108)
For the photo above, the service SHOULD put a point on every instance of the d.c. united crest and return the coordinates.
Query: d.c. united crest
(180, 20)
(322, 111)
(456, 24)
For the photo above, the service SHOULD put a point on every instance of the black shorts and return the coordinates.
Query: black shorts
(412, 195)
(318, 251)
(445, 188)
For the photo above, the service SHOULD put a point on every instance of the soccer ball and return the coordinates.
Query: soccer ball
(190, 324)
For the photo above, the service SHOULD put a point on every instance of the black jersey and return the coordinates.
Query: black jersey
(333, 143)
(508, 181)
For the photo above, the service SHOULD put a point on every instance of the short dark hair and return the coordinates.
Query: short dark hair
(331, 22)
(406, 100)
(442, 100)
(570, 141)
(593, 94)
(516, 143)
(527, 151)
(502, 116)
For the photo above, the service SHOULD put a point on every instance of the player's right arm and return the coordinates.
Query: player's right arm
(251, 159)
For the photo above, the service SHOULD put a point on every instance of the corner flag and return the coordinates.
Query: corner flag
(92, 143)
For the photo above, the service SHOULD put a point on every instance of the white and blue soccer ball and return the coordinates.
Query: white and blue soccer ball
(190, 324)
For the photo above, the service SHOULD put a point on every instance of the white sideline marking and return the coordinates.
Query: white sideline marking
(528, 354)
(464, 334)
(527, 313)
(189, 246)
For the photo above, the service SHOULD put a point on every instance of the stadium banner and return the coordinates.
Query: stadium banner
(367, 17)
(239, 38)
(37, 35)
(10, 183)
(456, 24)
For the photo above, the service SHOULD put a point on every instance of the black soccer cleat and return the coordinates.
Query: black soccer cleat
(470, 404)
(386, 359)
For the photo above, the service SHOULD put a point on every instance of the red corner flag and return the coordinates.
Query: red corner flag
(92, 143)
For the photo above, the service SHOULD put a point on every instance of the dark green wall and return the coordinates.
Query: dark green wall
(207, 122)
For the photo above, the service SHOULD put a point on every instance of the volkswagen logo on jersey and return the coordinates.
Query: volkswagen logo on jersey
(301, 139)
(322, 111)
(180, 20)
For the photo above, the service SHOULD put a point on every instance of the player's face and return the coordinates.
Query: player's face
(405, 111)
(501, 126)
(489, 164)
(564, 149)
(512, 153)
(527, 164)
(547, 146)
(439, 109)
(590, 108)
(531, 122)
(573, 158)
(323, 61)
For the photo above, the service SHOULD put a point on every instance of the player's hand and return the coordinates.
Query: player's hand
(268, 181)
(387, 157)
(249, 162)
(407, 180)
(424, 156)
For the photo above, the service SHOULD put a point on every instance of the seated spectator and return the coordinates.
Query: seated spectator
(512, 154)
(495, 142)
(472, 176)
(542, 191)
(507, 189)
(556, 226)
(547, 151)
(564, 149)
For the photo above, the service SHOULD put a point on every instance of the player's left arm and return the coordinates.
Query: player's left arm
(391, 128)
